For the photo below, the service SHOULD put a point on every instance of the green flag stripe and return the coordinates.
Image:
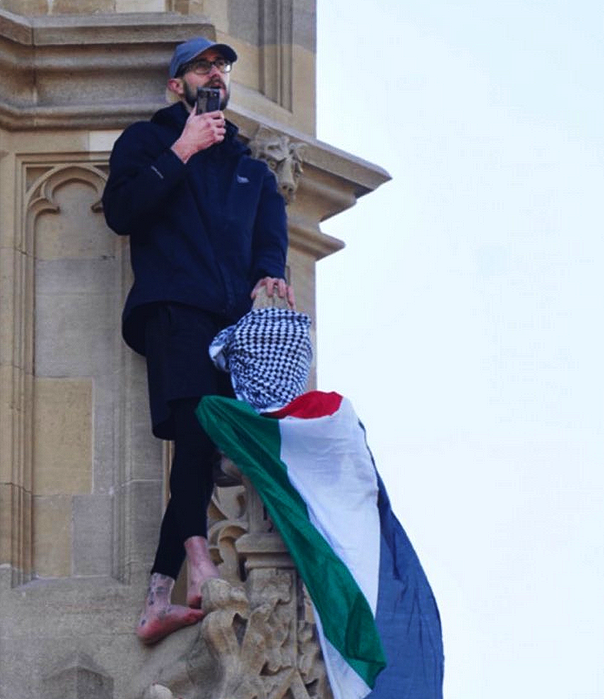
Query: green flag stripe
(253, 442)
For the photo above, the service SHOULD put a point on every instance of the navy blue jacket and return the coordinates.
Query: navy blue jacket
(201, 233)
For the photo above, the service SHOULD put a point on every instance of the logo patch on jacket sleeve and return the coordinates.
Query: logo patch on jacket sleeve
(242, 180)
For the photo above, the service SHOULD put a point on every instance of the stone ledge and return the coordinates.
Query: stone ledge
(85, 116)
(136, 27)
(332, 182)
(366, 176)
(87, 71)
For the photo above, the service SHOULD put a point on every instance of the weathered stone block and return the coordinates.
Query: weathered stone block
(243, 21)
(7, 268)
(26, 7)
(6, 419)
(18, 679)
(145, 456)
(138, 5)
(302, 273)
(6, 529)
(143, 516)
(108, 433)
(102, 141)
(74, 230)
(52, 534)
(304, 88)
(92, 533)
(85, 276)
(62, 436)
(15, 529)
(78, 677)
(82, 6)
(218, 10)
(76, 334)
(46, 624)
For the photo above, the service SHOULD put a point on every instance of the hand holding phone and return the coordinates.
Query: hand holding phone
(201, 130)
(208, 100)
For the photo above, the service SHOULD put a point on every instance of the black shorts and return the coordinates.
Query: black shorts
(177, 338)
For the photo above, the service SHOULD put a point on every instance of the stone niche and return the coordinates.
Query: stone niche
(82, 483)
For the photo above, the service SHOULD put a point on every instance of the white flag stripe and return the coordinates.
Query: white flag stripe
(336, 479)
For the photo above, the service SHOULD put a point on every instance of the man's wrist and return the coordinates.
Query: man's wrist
(182, 150)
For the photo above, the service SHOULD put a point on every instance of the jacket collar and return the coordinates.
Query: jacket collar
(175, 116)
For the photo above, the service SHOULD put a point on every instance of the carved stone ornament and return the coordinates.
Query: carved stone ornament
(241, 650)
(284, 158)
(258, 638)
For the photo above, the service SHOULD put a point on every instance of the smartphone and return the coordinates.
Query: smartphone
(208, 100)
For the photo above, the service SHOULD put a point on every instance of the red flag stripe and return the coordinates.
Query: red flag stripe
(310, 405)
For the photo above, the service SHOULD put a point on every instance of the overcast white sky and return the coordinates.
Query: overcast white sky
(464, 319)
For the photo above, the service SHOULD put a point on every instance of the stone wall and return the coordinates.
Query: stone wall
(104, 62)
(82, 482)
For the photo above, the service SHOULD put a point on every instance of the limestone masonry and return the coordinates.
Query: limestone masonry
(82, 482)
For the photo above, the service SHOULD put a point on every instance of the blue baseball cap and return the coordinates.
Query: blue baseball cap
(184, 53)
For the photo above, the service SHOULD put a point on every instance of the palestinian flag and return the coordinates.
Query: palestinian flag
(311, 466)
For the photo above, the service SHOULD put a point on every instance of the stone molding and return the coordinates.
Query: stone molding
(51, 85)
(39, 180)
(276, 59)
(48, 86)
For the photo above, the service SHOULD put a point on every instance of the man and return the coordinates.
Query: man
(207, 230)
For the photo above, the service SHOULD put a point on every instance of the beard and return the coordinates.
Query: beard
(191, 93)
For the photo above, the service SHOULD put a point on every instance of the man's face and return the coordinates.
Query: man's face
(191, 80)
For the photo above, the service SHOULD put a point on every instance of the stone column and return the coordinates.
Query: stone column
(82, 482)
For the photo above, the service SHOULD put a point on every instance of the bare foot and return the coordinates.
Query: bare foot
(201, 568)
(153, 628)
(159, 616)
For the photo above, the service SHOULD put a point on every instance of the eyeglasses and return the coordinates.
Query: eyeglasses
(203, 66)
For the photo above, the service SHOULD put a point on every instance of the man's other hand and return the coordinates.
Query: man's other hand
(274, 285)
(201, 131)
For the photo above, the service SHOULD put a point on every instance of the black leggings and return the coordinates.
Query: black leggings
(191, 485)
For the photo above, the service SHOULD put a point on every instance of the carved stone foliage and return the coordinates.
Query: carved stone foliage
(227, 521)
(258, 639)
(310, 662)
(245, 648)
(283, 156)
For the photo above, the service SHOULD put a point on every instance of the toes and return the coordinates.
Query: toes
(152, 630)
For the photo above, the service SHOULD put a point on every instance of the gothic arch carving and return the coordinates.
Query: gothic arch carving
(38, 182)
(40, 195)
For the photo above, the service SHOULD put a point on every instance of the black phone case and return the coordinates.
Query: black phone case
(208, 100)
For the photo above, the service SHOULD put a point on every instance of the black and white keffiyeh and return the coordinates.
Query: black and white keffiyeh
(268, 353)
